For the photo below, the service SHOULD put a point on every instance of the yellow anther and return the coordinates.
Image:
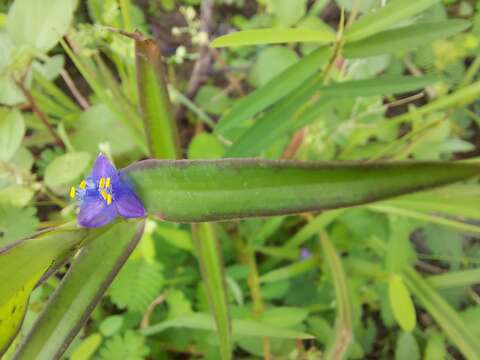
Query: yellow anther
(72, 192)
(101, 183)
(104, 194)
(109, 199)
(107, 183)
(83, 184)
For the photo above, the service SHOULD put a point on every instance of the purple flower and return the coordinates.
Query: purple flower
(104, 194)
(305, 254)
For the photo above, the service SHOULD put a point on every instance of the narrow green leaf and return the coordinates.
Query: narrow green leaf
(160, 126)
(290, 271)
(401, 303)
(239, 326)
(274, 90)
(80, 290)
(445, 316)
(294, 113)
(343, 324)
(213, 274)
(273, 36)
(403, 39)
(22, 264)
(385, 17)
(196, 191)
(455, 279)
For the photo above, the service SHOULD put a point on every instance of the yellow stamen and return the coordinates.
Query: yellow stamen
(107, 183)
(72, 192)
(83, 184)
(104, 194)
(109, 199)
(101, 183)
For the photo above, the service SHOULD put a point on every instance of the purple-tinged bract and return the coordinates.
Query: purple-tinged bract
(104, 194)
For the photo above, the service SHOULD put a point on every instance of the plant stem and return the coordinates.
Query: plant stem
(40, 115)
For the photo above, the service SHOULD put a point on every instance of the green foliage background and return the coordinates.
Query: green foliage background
(398, 279)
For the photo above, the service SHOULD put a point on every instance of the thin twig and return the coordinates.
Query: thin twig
(41, 116)
(146, 316)
(74, 90)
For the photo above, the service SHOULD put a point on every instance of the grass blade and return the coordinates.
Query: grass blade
(83, 286)
(205, 190)
(273, 36)
(455, 279)
(239, 326)
(211, 265)
(160, 127)
(445, 316)
(343, 324)
(384, 18)
(404, 39)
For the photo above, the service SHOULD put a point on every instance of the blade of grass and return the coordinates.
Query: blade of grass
(445, 316)
(455, 279)
(343, 324)
(211, 264)
(273, 36)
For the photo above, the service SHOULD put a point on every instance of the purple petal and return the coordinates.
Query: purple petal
(94, 212)
(128, 204)
(103, 168)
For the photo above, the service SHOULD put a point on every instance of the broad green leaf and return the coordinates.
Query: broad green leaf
(445, 316)
(23, 263)
(435, 348)
(270, 62)
(160, 126)
(39, 24)
(343, 335)
(65, 169)
(195, 191)
(83, 286)
(205, 146)
(403, 39)
(294, 113)
(268, 94)
(210, 258)
(386, 17)
(213, 99)
(401, 303)
(273, 36)
(15, 222)
(12, 130)
(407, 347)
(239, 327)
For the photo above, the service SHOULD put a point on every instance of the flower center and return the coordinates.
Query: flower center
(104, 188)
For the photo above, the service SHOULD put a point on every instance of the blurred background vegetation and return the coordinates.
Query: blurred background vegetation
(66, 98)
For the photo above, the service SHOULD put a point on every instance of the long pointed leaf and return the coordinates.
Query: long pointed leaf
(195, 191)
(211, 265)
(79, 292)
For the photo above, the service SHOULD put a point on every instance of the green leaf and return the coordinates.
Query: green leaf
(403, 39)
(290, 271)
(270, 62)
(274, 90)
(160, 126)
(65, 169)
(273, 36)
(86, 349)
(407, 348)
(213, 274)
(239, 327)
(205, 146)
(386, 17)
(137, 285)
(401, 303)
(343, 335)
(455, 279)
(87, 279)
(39, 24)
(295, 112)
(22, 264)
(435, 348)
(445, 316)
(12, 130)
(193, 191)
(213, 99)
(130, 346)
(16, 223)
